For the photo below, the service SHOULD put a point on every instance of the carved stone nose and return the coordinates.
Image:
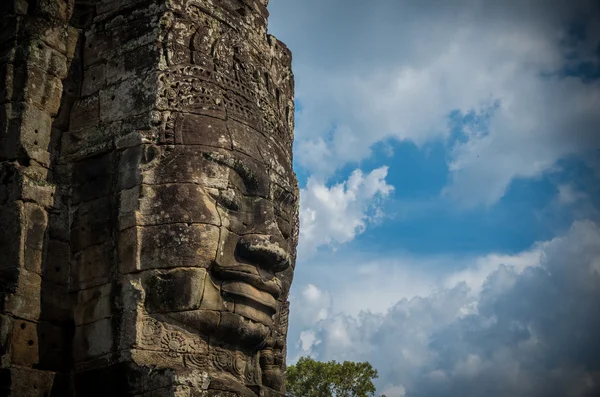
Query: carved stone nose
(267, 252)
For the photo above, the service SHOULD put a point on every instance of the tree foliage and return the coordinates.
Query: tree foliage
(310, 378)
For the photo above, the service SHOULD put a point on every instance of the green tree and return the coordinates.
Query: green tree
(310, 378)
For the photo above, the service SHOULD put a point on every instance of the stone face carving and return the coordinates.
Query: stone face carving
(161, 224)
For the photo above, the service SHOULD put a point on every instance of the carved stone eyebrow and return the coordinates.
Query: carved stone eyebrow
(282, 195)
(248, 175)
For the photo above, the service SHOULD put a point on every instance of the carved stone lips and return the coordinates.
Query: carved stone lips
(251, 275)
(253, 297)
(247, 291)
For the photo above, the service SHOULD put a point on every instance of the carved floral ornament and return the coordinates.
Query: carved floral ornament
(217, 48)
(195, 353)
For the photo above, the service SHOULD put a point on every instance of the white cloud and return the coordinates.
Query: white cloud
(312, 293)
(468, 367)
(335, 215)
(308, 339)
(314, 305)
(316, 302)
(478, 272)
(369, 71)
(394, 391)
(567, 194)
(522, 324)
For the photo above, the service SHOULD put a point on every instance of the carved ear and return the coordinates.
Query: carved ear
(272, 374)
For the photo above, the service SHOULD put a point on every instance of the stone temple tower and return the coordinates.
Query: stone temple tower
(148, 207)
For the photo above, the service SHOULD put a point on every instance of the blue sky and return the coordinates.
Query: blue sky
(448, 154)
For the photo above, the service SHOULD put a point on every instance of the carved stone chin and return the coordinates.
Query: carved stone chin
(160, 188)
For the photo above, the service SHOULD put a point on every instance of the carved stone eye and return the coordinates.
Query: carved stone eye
(284, 227)
(228, 200)
(283, 198)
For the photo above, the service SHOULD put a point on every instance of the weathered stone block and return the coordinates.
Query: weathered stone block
(131, 295)
(8, 35)
(188, 203)
(42, 90)
(96, 47)
(91, 223)
(20, 184)
(9, 280)
(129, 249)
(87, 142)
(128, 321)
(55, 303)
(167, 246)
(126, 377)
(173, 290)
(244, 140)
(93, 340)
(86, 113)
(112, 6)
(9, 134)
(127, 32)
(8, 74)
(206, 321)
(47, 59)
(129, 203)
(53, 341)
(24, 302)
(93, 178)
(55, 10)
(19, 7)
(92, 168)
(192, 129)
(262, 391)
(127, 98)
(94, 80)
(129, 166)
(6, 325)
(131, 64)
(186, 165)
(129, 140)
(36, 222)
(279, 160)
(24, 343)
(33, 132)
(59, 223)
(11, 235)
(38, 191)
(72, 37)
(56, 269)
(211, 296)
(93, 304)
(92, 266)
(27, 382)
(51, 32)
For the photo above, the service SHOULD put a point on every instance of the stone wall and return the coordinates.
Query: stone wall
(148, 206)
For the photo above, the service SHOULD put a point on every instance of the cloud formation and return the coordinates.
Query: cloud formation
(335, 215)
(512, 90)
(370, 71)
(529, 328)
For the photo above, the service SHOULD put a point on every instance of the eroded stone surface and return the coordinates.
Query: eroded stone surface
(147, 200)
